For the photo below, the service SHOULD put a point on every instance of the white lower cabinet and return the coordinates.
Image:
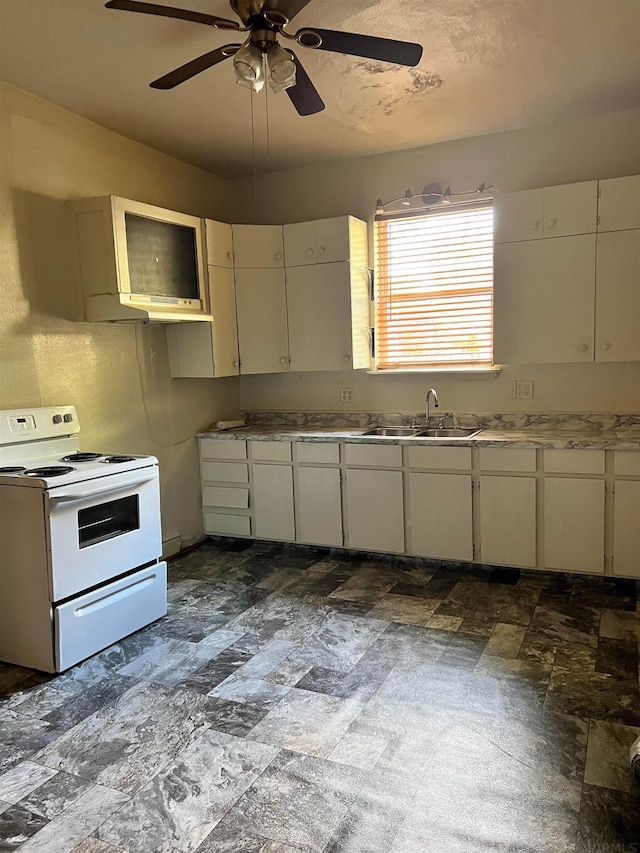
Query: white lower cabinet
(375, 510)
(273, 502)
(319, 506)
(574, 524)
(626, 528)
(508, 520)
(441, 518)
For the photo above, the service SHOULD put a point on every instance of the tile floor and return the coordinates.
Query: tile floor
(299, 700)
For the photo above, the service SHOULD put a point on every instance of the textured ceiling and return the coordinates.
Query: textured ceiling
(488, 65)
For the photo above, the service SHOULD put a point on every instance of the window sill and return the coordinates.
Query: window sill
(449, 372)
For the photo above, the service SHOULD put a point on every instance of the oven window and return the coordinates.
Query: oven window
(107, 520)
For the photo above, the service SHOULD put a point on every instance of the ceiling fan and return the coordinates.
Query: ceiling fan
(260, 57)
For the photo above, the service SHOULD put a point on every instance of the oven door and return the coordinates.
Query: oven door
(102, 528)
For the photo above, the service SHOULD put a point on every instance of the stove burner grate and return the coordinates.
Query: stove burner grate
(118, 459)
(49, 471)
(81, 457)
(12, 469)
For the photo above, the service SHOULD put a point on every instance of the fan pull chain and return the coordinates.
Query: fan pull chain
(266, 108)
(253, 145)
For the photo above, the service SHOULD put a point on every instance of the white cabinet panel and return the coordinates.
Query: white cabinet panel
(225, 472)
(219, 243)
(544, 301)
(235, 498)
(223, 448)
(375, 510)
(319, 316)
(574, 461)
(440, 457)
(262, 321)
(508, 520)
(319, 506)
(217, 523)
(321, 452)
(558, 211)
(258, 246)
(321, 241)
(627, 462)
(626, 528)
(619, 205)
(299, 243)
(374, 455)
(271, 451)
(440, 516)
(574, 524)
(518, 216)
(618, 296)
(273, 502)
(507, 459)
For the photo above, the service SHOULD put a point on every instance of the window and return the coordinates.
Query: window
(434, 288)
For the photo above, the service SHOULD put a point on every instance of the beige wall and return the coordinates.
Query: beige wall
(116, 375)
(576, 150)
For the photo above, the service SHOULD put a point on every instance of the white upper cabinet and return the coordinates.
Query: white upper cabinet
(619, 204)
(544, 301)
(327, 304)
(219, 244)
(262, 320)
(618, 296)
(258, 246)
(550, 212)
(326, 241)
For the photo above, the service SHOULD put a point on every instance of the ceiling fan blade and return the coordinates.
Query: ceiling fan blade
(387, 50)
(171, 12)
(190, 69)
(304, 95)
(290, 8)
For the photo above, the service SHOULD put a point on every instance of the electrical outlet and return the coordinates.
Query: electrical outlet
(511, 390)
(346, 395)
(524, 389)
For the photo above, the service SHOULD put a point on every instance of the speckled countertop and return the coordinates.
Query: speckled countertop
(627, 439)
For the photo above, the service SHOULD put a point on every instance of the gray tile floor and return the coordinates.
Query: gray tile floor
(300, 700)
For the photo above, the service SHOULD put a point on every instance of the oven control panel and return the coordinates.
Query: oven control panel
(19, 425)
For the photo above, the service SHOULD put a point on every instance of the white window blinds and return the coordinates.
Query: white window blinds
(434, 288)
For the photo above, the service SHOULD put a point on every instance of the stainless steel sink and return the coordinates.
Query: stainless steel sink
(397, 432)
(420, 432)
(451, 432)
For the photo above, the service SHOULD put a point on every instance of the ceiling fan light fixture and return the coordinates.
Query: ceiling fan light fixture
(282, 68)
(247, 64)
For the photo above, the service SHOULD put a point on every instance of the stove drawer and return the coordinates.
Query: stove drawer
(95, 620)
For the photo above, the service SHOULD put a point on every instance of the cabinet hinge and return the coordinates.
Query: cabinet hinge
(599, 192)
(473, 551)
(372, 292)
(597, 220)
(372, 340)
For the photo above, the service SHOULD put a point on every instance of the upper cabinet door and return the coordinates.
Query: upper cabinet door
(550, 212)
(325, 241)
(224, 330)
(618, 296)
(518, 216)
(619, 204)
(544, 295)
(262, 321)
(219, 244)
(570, 209)
(258, 246)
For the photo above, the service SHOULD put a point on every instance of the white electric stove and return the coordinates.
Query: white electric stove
(80, 542)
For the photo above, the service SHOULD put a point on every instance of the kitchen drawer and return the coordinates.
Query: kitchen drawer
(221, 496)
(453, 458)
(271, 451)
(627, 462)
(227, 525)
(574, 461)
(507, 459)
(95, 620)
(222, 448)
(321, 453)
(225, 472)
(374, 455)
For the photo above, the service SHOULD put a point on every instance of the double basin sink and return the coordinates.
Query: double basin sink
(419, 432)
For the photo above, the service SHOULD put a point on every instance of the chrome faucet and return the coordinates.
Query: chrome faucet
(431, 393)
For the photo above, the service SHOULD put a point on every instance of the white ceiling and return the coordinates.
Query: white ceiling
(488, 65)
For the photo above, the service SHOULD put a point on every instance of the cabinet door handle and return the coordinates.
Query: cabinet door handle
(535, 224)
(236, 364)
(551, 222)
(309, 252)
(284, 360)
(583, 347)
(321, 250)
(229, 255)
(347, 358)
(606, 345)
(278, 256)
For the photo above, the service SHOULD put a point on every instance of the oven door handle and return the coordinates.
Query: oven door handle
(90, 493)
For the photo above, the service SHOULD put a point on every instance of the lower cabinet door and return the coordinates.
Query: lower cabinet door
(375, 510)
(508, 520)
(626, 528)
(441, 519)
(273, 502)
(319, 506)
(574, 524)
